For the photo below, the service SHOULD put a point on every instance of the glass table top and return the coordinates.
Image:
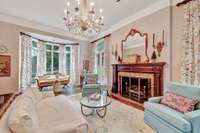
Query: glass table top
(102, 102)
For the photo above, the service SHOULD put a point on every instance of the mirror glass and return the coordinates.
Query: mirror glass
(134, 47)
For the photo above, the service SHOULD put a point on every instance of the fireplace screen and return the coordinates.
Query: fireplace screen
(136, 88)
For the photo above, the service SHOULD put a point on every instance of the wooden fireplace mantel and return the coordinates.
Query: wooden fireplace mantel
(155, 69)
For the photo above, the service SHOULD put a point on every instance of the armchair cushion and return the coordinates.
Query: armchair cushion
(169, 115)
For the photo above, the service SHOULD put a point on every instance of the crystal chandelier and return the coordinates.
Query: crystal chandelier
(82, 18)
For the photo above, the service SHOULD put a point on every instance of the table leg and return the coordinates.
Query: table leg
(104, 113)
(85, 113)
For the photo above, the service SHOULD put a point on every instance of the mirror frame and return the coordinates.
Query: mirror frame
(131, 33)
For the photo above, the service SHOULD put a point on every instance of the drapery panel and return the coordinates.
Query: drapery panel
(41, 58)
(190, 69)
(74, 72)
(26, 62)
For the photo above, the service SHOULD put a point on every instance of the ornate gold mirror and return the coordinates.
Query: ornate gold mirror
(135, 47)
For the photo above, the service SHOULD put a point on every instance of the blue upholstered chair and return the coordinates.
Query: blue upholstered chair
(166, 120)
(90, 88)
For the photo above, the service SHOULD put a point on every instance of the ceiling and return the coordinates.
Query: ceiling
(50, 12)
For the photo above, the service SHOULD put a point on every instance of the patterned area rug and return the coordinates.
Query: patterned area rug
(120, 118)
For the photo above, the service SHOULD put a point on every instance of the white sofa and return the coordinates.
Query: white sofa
(32, 112)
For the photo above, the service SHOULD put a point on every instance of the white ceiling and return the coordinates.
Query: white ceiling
(50, 12)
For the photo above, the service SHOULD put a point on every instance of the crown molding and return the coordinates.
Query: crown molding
(136, 16)
(39, 26)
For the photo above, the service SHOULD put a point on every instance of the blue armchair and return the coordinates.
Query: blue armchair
(88, 87)
(166, 120)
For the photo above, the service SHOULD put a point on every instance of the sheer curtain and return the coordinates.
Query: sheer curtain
(74, 73)
(62, 60)
(41, 58)
(190, 69)
(26, 62)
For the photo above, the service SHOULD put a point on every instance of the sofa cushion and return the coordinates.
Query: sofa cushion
(23, 118)
(184, 90)
(179, 103)
(34, 94)
(169, 115)
(61, 111)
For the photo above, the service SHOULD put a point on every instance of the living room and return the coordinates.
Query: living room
(77, 67)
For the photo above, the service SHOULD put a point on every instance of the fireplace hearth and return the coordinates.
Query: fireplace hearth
(135, 83)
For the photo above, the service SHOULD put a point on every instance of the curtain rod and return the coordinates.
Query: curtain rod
(22, 33)
(101, 38)
(183, 2)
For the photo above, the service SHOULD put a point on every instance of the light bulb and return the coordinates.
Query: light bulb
(92, 4)
(100, 10)
(68, 3)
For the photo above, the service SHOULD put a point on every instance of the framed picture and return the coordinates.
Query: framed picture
(5, 65)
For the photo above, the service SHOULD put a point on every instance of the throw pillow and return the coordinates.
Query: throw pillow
(179, 103)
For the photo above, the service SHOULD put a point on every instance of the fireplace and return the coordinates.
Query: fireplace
(135, 83)
(136, 86)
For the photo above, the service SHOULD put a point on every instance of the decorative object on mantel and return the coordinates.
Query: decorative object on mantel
(3, 49)
(5, 65)
(153, 57)
(160, 45)
(134, 40)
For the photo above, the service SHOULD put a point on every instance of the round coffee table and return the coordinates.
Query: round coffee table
(97, 106)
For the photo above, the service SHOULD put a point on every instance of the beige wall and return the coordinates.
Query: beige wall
(178, 23)
(9, 36)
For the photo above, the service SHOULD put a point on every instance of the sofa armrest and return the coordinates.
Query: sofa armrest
(155, 99)
(194, 118)
(46, 94)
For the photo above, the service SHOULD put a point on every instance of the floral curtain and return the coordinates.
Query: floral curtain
(41, 58)
(26, 62)
(74, 73)
(190, 70)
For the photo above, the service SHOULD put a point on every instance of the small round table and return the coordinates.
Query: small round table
(97, 106)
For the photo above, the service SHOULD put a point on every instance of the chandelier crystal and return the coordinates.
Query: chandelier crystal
(82, 18)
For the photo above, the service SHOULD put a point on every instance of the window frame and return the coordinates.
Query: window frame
(52, 51)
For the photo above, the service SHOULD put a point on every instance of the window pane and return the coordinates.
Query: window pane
(48, 47)
(34, 44)
(68, 63)
(68, 49)
(56, 48)
(102, 59)
(98, 59)
(55, 62)
(48, 61)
